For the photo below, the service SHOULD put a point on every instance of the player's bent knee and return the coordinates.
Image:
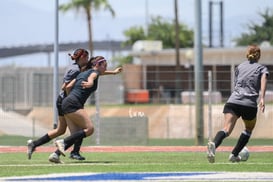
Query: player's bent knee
(89, 131)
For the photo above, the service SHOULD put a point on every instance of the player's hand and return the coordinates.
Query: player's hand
(262, 105)
(85, 84)
(118, 70)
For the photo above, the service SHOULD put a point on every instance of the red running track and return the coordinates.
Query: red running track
(7, 149)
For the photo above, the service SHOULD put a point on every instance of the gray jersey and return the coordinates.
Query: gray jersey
(71, 72)
(247, 83)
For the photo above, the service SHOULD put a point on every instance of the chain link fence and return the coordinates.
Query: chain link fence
(134, 94)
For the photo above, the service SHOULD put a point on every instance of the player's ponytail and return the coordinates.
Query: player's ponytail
(253, 53)
(77, 54)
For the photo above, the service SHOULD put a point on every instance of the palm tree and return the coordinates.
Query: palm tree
(88, 6)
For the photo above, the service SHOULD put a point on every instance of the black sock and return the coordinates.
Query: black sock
(220, 136)
(58, 152)
(70, 140)
(242, 141)
(77, 146)
(44, 139)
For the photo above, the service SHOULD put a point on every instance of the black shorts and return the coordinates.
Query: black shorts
(247, 113)
(59, 106)
(71, 104)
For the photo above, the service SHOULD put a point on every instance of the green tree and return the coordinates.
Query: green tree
(133, 34)
(88, 6)
(258, 33)
(121, 60)
(160, 29)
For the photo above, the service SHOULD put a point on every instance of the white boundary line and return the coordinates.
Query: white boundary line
(165, 176)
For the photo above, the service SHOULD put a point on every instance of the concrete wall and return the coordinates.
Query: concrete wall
(181, 122)
(122, 131)
(163, 121)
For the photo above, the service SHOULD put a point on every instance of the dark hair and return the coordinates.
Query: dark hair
(96, 60)
(89, 64)
(78, 53)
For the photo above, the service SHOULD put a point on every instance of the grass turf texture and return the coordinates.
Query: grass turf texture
(17, 164)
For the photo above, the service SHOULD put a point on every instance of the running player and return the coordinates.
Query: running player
(80, 56)
(78, 91)
(250, 80)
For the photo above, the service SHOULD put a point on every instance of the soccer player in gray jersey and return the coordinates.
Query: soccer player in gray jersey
(80, 56)
(250, 80)
(78, 91)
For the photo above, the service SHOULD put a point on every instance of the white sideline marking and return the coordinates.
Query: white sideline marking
(155, 176)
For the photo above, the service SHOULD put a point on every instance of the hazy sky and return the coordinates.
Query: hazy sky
(26, 22)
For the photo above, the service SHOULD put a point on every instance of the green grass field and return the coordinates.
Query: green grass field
(17, 164)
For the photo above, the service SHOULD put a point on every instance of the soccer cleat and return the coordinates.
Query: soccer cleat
(76, 156)
(60, 145)
(244, 154)
(211, 152)
(233, 158)
(54, 158)
(30, 148)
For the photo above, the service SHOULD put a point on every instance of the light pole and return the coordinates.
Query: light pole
(188, 65)
(56, 66)
(146, 17)
(221, 37)
(177, 56)
(198, 74)
(157, 80)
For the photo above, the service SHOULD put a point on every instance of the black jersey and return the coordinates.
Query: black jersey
(83, 93)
